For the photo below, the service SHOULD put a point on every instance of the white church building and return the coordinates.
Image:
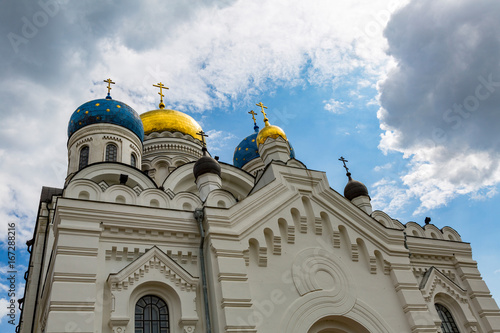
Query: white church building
(150, 234)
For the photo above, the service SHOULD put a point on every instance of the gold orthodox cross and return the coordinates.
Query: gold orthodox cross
(161, 86)
(262, 106)
(109, 84)
(253, 113)
(203, 135)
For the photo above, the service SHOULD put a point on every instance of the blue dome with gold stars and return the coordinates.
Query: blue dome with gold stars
(107, 111)
(247, 150)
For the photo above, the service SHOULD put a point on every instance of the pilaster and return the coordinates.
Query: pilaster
(480, 296)
(412, 301)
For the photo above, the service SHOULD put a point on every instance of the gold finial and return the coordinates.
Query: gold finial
(109, 85)
(203, 135)
(161, 86)
(253, 113)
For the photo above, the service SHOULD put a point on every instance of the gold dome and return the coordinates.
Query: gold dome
(170, 120)
(270, 131)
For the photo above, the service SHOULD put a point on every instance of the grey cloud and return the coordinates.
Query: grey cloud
(440, 105)
(42, 40)
(446, 51)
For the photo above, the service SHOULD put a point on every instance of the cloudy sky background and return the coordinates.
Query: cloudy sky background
(407, 91)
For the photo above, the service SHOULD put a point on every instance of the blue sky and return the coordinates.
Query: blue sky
(407, 91)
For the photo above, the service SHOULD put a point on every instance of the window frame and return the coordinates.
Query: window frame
(80, 164)
(448, 322)
(133, 160)
(107, 153)
(144, 321)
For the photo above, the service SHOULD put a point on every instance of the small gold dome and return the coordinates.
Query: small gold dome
(269, 131)
(162, 120)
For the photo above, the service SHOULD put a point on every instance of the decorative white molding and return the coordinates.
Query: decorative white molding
(303, 225)
(305, 268)
(137, 189)
(336, 239)
(119, 325)
(88, 139)
(433, 279)
(135, 149)
(103, 185)
(154, 258)
(355, 252)
(318, 225)
(112, 138)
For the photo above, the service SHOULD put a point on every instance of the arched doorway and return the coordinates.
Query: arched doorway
(337, 324)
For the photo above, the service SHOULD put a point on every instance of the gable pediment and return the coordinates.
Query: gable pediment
(434, 281)
(153, 259)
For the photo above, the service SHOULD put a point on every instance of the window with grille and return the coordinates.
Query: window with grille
(133, 160)
(448, 324)
(111, 153)
(84, 158)
(151, 315)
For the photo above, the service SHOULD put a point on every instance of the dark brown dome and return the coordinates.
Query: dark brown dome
(354, 189)
(206, 164)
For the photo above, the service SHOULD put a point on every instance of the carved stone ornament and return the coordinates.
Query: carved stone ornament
(119, 325)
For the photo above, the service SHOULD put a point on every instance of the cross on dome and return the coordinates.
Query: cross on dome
(253, 113)
(262, 107)
(344, 161)
(161, 86)
(110, 82)
(348, 174)
(203, 135)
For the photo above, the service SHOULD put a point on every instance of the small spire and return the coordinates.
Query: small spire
(262, 107)
(161, 86)
(348, 174)
(255, 126)
(109, 87)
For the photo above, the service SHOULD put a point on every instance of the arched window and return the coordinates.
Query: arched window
(84, 157)
(151, 315)
(448, 324)
(111, 152)
(133, 160)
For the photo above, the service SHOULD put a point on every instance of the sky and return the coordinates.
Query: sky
(407, 91)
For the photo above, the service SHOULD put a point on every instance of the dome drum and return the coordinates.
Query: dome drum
(96, 139)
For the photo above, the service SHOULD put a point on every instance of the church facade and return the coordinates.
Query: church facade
(150, 234)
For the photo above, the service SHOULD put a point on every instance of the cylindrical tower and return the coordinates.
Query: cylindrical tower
(104, 130)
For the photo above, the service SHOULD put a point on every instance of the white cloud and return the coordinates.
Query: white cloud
(383, 167)
(440, 103)
(208, 53)
(218, 140)
(389, 195)
(4, 311)
(335, 106)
